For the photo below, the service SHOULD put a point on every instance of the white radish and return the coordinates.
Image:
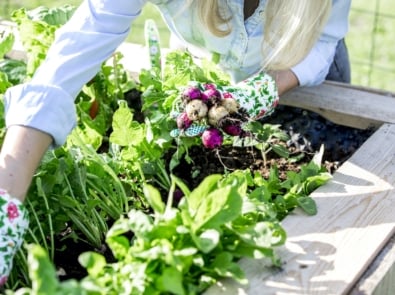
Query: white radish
(230, 104)
(196, 109)
(215, 114)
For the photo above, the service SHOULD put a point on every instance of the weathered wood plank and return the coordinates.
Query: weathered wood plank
(379, 278)
(350, 105)
(327, 253)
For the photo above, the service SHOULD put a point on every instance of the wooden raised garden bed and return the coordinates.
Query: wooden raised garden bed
(348, 247)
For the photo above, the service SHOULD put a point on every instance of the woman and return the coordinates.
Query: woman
(294, 40)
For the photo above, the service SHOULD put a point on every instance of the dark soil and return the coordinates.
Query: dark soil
(307, 131)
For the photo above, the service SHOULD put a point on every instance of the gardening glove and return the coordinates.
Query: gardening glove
(13, 225)
(257, 94)
(256, 97)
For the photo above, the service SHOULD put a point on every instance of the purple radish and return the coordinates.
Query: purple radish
(183, 122)
(210, 86)
(232, 129)
(227, 95)
(212, 95)
(212, 138)
(191, 92)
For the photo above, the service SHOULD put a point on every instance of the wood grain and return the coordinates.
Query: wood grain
(327, 253)
(344, 104)
(379, 279)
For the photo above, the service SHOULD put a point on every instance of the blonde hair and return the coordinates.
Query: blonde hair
(291, 27)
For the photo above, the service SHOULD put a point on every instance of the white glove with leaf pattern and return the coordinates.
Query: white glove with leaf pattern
(14, 222)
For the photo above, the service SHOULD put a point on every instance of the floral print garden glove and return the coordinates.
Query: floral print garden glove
(258, 95)
(14, 222)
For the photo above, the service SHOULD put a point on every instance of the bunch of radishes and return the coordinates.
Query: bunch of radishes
(205, 104)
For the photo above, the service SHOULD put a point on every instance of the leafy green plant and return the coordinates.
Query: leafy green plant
(266, 138)
(37, 29)
(11, 71)
(296, 189)
(7, 40)
(184, 250)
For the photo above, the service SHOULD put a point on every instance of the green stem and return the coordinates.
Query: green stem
(39, 227)
(50, 223)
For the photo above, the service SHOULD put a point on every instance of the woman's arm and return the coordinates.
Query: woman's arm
(21, 153)
(285, 80)
(45, 105)
(313, 69)
(89, 38)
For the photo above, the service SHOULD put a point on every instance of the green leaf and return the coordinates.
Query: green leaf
(217, 208)
(170, 281)
(140, 223)
(68, 202)
(225, 266)
(222, 262)
(205, 187)
(41, 271)
(119, 227)
(36, 36)
(263, 235)
(208, 240)
(4, 83)
(7, 40)
(14, 69)
(119, 246)
(280, 150)
(308, 205)
(180, 184)
(56, 16)
(125, 130)
(154, 198)
(85, 135)
(313, 182)
(118, 243)
(93, 262)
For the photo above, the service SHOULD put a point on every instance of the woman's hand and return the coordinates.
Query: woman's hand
(258, 95)
(285, 80)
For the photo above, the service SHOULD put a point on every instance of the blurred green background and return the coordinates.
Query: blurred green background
(370, 39)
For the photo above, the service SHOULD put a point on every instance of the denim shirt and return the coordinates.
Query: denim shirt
(98, 27)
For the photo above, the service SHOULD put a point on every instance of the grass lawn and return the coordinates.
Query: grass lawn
(371, 43)
(370, 38)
